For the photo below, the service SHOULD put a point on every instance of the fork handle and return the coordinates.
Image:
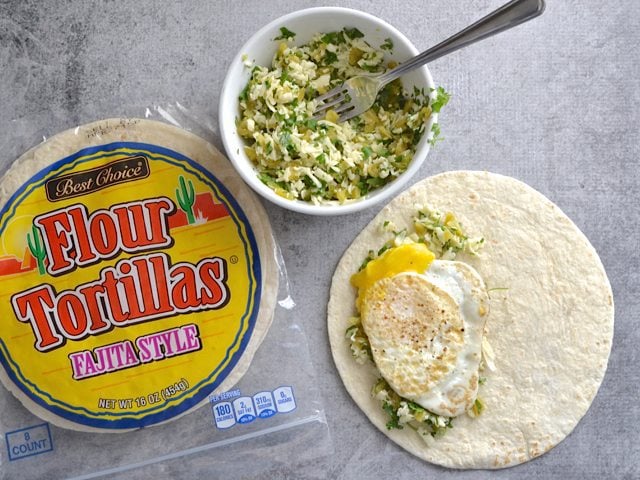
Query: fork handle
(508, 16)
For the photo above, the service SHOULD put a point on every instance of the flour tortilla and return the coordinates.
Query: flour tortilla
(551, 330)
(157, 133)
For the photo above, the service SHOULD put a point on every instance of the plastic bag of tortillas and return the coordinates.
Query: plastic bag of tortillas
(146, 325)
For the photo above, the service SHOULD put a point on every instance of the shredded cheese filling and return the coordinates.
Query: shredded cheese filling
(326, 161)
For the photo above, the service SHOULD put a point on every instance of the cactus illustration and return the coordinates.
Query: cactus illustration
(186, 198)
(36, 248)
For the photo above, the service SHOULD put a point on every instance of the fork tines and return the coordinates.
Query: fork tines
(336, 97)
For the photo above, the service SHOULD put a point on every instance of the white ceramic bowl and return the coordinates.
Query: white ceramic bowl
(261, 48)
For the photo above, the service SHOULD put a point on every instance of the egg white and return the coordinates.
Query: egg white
(426, 330)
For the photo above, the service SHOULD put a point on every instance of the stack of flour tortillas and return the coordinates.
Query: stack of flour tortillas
(137, 275)
(550, 323)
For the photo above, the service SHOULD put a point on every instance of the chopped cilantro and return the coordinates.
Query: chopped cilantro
(435, 129)
(266, 178)
(244, 93)
(353, 33)
(417, 136)
(371, 68)
(370, 256)
(285, 34)
(269, 180)
(384, 248)
(442, 98)
(394, 421)
(285, 140)
(375, 182)
(387, 45)
(330, 57)
(336, 38)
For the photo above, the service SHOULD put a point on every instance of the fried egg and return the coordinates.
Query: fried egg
(425, 328)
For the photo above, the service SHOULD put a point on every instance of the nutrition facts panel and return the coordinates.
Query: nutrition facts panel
(232, 407)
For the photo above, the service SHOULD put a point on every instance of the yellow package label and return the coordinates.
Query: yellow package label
(129, 286)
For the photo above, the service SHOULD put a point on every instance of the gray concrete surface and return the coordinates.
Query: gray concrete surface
(553, 103)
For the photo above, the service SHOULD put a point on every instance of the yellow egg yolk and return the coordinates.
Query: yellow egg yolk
(411, 257)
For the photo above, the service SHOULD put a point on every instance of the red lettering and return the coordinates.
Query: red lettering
(72, 316)
(35, 306)
(90, 293)
(213, 274)
(135, 290)
(184, 293)
(104, 233)
(110, 283)
(151, 284)
(142, 225)
(131, 292)
(160, 268)
(158, 212)
(71, 238)
(85, 253)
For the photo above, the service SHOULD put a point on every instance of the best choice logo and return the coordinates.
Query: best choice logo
(81, 183)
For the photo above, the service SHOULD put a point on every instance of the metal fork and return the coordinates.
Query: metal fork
(357, 94)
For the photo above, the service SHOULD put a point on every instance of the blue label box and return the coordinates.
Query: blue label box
(265, 406)
(29, 441)
(223, 415)
(285, 400)
(245, 413)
